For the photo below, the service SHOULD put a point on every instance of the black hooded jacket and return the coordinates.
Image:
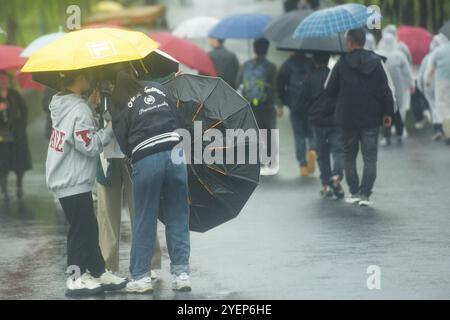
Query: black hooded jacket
(146, 123)
(361, 86)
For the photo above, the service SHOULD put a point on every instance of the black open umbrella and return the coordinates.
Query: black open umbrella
(282, 30)
(218, 191)
(285, 25)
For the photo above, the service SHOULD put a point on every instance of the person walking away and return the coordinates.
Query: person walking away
(225, 61)
(403, 81)
(14, 151)
(439, 72)
(329, 138)
(365, 100)
(290, 80)
(392, 30)
(428, 89)
(70, 173)
(257, 82)
(145, 121)
(403, 47)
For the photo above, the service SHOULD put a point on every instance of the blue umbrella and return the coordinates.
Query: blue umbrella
(241, 26)
(336, 19)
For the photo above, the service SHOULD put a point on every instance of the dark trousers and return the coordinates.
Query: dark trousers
(330, 143)
(83, 248)
(368, 140)
(399, 126)
(303, 136)
(267, 119)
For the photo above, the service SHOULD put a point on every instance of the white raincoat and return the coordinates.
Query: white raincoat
(428, 87)
(439, 71)
(399, 69)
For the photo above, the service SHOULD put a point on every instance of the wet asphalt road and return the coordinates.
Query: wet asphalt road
(286, 244)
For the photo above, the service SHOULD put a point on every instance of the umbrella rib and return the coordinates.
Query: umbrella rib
(198, 111)
(217, 170)
(205, 186)
(231, 115)
(214, 125)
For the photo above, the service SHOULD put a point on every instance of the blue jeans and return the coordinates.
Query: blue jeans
(330, 142)
(157, 180)
(303, 135)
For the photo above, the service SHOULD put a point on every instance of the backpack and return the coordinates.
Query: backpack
(256, 84)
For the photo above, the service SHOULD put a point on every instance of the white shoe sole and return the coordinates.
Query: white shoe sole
(365, 203)
(352, 201)
(139, 290)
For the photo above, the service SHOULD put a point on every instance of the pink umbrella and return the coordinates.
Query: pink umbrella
(418, 41)
(10, 58)
(186, 52)
(25, 81)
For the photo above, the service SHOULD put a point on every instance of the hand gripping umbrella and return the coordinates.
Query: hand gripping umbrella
(218, 191)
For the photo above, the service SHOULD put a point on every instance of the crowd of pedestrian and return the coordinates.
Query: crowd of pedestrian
(358, 105)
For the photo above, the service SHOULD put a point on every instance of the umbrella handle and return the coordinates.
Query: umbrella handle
(340, 42)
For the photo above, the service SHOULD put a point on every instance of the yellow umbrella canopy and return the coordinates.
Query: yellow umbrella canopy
(91, 48)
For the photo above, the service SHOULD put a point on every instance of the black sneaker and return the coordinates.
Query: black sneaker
(326, 192)
(336, 186)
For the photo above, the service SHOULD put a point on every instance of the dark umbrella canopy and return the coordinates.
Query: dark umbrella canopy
(282, 30)
(333, 44)
(218, 192)
(284, 26)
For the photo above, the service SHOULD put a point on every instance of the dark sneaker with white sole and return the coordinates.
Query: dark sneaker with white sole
(336, 186)
(365, 202)
(353, 199)
(326, 192)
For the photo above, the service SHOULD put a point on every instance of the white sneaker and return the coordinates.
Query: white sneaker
(181, 283)
(384, 142)
(143, 285)
(265, 171)
(353, 199)
(111, 282)
(85, 285)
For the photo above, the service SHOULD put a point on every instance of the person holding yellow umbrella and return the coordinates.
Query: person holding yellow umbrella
(76, 142)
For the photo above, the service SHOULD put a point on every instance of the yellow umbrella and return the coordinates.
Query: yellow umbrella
(90, 48)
